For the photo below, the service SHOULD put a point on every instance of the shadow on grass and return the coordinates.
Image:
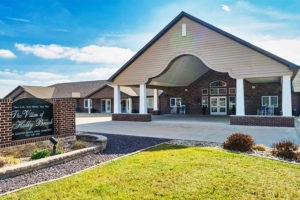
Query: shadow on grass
(164, 147)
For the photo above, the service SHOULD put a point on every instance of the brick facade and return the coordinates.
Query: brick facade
(105, 93)
(5, 122)
(191, 96)
(273, 121)
(64, 122)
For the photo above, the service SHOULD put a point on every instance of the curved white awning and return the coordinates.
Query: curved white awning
(182, 71)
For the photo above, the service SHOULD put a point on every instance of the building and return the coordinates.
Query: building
(209, 71)
(91, 96)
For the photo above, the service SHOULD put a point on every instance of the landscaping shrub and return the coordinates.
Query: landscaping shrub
(7, 160)
(285, 149)
(59, 150)
(239, 142)
(78, 145)
(40, 153)
(259, 147)
(297, 156)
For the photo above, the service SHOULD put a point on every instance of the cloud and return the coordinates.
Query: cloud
(6, 54)
(44, 76)
(97, 54)
(46, 51)
(87, 54)
(98, 73)
(10, 79)
(286, 48)
(269, 11)
(18, 19)
(226, 8)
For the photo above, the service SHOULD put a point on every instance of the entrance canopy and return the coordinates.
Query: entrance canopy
(183, 71)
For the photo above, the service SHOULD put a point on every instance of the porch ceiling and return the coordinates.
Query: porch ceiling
(275, 79)
(181, 72)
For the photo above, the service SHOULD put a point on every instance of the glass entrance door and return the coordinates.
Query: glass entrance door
(218, 106)
(106, 106)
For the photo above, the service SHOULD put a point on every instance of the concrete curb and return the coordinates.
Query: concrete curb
(23, 168)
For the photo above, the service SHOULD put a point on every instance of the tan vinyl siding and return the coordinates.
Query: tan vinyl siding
(215, 50)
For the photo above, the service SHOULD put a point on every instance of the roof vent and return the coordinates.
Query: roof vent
(75, 94)
(183, 30)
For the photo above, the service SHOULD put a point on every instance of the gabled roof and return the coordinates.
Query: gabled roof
(36, 91)
(224, 33)
(39, 91)
(60, 90)
(84, 88)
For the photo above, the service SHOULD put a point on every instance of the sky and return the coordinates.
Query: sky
(43, 42)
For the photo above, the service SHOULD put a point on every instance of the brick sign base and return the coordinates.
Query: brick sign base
(255, 120)
(64, 122)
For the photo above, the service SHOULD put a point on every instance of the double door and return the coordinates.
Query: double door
(218, 105)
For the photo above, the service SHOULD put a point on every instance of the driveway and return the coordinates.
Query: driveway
(187, 127)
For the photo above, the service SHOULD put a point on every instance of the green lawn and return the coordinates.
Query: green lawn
(177, 172)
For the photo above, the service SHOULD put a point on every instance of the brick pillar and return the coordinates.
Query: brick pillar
(5, 122)
(64, 116)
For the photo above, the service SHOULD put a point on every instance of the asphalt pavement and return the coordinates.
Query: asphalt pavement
(187, 127)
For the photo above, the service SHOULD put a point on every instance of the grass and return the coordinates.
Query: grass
(176, 172)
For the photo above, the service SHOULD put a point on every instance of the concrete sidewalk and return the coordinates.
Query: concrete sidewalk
(200, 128)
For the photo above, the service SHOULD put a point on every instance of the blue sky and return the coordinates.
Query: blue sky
(43, 42)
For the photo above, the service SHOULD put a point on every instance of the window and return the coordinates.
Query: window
(175, 102)
(269, 101)
(232, 103)
(86, 103)
(223, 91)
(231, 90)
(205, 101)
(218, 91)
(204, 91)
(218, 84)
(149, 102)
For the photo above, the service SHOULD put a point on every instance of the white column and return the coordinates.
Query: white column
(117, 99)
(143, 99)
(286, 96)
(155, 99)
(129, 105)
(89, 105)
(240, 103)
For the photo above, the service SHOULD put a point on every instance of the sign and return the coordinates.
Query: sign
(31, 117)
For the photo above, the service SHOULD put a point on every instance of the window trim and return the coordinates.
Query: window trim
(205, 101)
(211, 84)
(87, 104)
(230, 91)
(218, 91)
(269, 101)
(204, 91)
(148, 100)
(176, 98)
